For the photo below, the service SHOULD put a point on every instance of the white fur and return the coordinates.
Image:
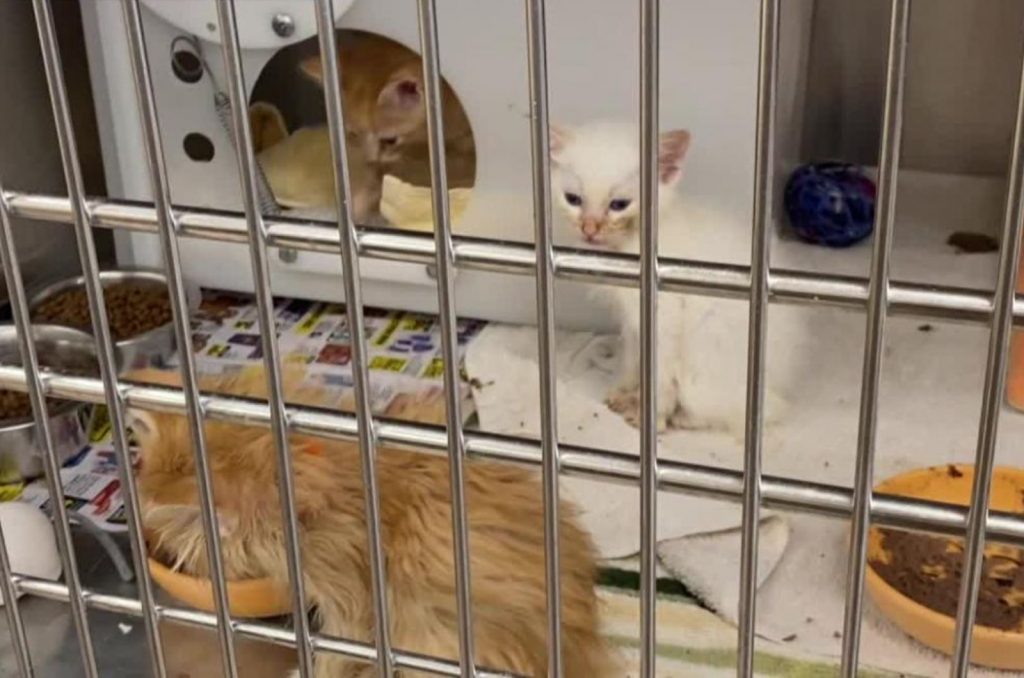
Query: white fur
(701, 340)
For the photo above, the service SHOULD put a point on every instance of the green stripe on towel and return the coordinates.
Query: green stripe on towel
(703, 643)
(764, 664)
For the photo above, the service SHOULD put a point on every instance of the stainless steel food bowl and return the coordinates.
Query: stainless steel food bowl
(149, 349)
(61, 349)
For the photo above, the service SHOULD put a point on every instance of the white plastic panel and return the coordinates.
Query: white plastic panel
(708, 66)
(255, 19)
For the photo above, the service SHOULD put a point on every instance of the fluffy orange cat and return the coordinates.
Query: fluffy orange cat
(505, 522)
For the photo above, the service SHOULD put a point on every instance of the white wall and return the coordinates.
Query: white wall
(963, 67)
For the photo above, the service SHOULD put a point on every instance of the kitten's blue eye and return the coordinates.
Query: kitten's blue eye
(619, 204)
(573, 199)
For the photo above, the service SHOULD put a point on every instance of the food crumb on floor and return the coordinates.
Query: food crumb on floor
(967, 242)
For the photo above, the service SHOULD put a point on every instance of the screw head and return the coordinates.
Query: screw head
(288, 255)
(283, 25)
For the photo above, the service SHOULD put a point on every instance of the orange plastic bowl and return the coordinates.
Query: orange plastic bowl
(246, 597)
(996, 648)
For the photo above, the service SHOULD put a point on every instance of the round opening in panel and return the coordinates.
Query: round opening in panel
(198, 147)
(386, 145)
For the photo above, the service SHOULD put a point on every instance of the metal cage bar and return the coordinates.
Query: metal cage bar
(278, 635)
(354, 312)
(268, 336)
(104, 353)
(12, 609)
(536, 32)
(585, 462)
(760, 254)
(649, 29)
(874, 340)
(445, 262)
(786, 286)
(12, 273)
(877, 294)
(182, 331)
(51, 464)
(992, 395)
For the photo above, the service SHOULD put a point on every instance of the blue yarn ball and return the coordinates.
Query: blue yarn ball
(831, 204)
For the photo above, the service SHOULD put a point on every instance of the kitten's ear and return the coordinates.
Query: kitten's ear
(558, 138)
(313, 69)
(142, 424)
(403, 92)
(672, 149)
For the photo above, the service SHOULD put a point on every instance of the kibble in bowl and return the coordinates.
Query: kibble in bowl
(14, 405)
(60, 349)
(914, 579)
(138, 311)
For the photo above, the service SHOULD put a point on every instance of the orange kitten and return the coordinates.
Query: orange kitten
(382, 86)
(505, 522)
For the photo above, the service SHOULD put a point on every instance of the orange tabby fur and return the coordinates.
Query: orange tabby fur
(382, 88)
(505, 523)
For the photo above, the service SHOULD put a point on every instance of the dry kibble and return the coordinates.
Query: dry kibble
(132, 309)
(14, 405)
(928, 569)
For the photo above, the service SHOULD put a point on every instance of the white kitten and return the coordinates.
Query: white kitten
(701, 340)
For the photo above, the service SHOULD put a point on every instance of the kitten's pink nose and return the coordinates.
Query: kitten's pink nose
(591, 228)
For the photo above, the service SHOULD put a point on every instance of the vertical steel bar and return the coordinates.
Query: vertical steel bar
(101, 330)
(182, 332)
(105, 355)
(44, 437)
(536, 32)
(874, 339)
(354, 309)
(15, 623)
(992, 398)
(649, 28)
(764, 165)
(449, 328)
(268, 336)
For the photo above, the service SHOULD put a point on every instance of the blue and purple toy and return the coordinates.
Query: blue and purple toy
(831, 204)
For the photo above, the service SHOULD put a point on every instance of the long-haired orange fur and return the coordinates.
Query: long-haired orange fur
(505, 525)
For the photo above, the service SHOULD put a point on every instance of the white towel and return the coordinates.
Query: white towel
(930, 401)
(502, 361)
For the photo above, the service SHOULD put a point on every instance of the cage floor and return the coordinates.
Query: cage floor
(933, 374)
(693, 642)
